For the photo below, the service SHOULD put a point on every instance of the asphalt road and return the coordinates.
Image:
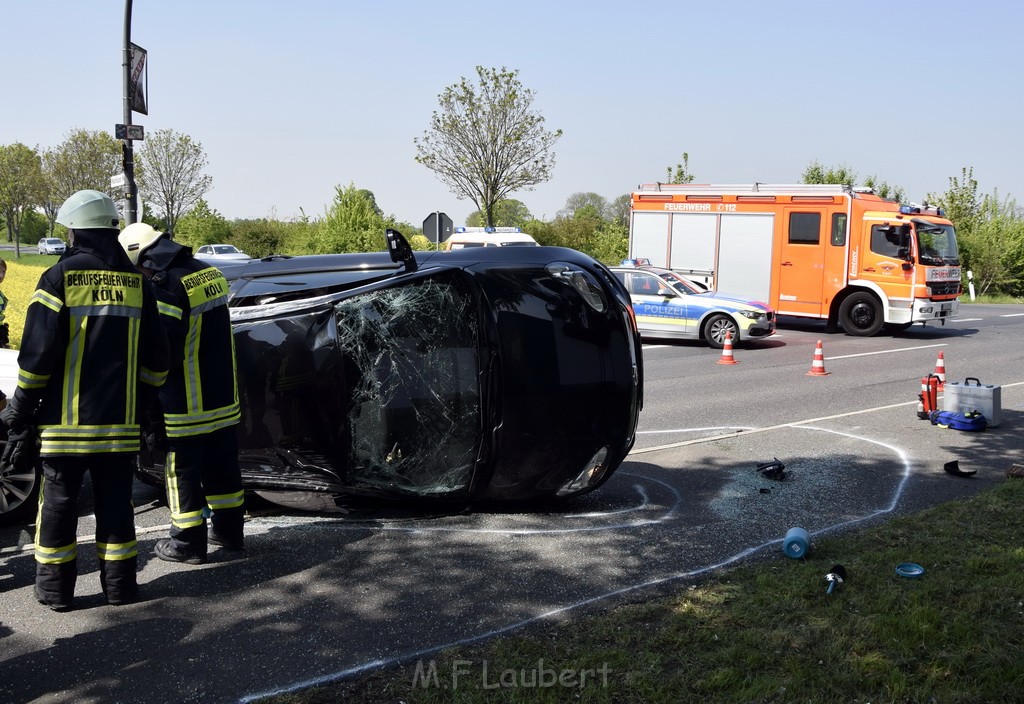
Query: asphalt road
(320, 597)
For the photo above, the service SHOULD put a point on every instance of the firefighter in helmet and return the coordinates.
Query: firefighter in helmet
(92, 348)
(199, 402)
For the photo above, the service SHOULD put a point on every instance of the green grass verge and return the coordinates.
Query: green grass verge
(767, 632)
(992, 298)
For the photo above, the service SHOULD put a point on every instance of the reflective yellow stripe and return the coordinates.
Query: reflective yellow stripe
(193, 383)
(28, 380)
(73, 369)
(78, 439)
(132, 382)
(117, 551)
(169, 310)
(46, 299)
(232, 500)
(148, 376)
(187, 424)
(56, 556)
(187, 520)
(171, 476)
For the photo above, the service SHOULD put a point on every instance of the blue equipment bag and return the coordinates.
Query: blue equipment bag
(972, 421)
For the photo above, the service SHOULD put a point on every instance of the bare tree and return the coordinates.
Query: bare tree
(485, 142)
(170, 174)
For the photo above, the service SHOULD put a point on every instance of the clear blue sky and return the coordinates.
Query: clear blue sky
(290, 99)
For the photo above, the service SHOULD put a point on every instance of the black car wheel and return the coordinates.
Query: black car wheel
(716, 328)
(861, 314)
(19, 494)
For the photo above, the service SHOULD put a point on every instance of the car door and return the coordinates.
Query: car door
(659, 309)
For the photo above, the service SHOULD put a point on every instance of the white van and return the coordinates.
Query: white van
(488, 237)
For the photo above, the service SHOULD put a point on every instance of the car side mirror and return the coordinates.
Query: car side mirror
(666, 292)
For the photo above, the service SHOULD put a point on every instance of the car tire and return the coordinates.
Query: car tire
(861, 314)
(716, 327)
(19, 494)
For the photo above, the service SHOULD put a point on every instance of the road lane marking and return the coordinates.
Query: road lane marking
(780, 426)
(901, 349)
(965, 320)
(1011, 315)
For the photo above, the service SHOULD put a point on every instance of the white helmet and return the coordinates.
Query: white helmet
(137, 238)
(88, 210)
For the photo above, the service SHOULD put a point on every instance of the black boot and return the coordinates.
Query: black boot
(55, 584)
(119, 582)
(165, 549)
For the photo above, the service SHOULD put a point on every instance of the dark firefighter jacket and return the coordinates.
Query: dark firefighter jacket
(201, 394)
(92, 345)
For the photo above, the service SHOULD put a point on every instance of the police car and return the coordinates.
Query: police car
(669, 305)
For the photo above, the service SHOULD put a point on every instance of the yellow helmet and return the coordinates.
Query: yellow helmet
(137, 238)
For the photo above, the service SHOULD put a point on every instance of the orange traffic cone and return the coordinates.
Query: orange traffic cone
(726, 357)
(940, 370)
(818, 364)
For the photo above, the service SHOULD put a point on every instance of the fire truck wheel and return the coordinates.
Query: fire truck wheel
(861, 314)
(717, 326)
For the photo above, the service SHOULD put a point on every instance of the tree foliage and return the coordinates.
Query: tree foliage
(84, 160)
(258, 238)
(354, 223)
(486, 142)
(618, 209)
(839, 175)
(507, 213)
(202, 225)
(961, 201)
(843, 175)
(170, 174)
(586, 232)
(585, 204)
(22, 186)
(990, 233)
(681, 173)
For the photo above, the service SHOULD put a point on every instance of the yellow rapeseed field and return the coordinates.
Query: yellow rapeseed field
(18, 286)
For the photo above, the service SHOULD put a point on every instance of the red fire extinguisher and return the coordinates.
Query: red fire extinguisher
(928, 400)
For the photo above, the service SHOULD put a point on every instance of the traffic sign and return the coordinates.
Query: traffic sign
(129, 132)
(437, 227)
(118, 181)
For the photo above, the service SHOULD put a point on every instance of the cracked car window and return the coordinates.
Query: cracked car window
(411, 358)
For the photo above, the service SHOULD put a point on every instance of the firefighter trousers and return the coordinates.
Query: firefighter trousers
(57, 526)
(203, 478)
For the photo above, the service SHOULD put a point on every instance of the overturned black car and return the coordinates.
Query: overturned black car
(476, 374)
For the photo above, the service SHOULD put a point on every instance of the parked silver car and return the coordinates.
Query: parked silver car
(221, 252)
(51, 245)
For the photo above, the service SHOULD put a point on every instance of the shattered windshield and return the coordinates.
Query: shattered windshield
(936, 244)
(411, 361)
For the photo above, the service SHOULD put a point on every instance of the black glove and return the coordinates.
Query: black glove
(22, 439)
(154, 434)
(151, 421)
(22, 449)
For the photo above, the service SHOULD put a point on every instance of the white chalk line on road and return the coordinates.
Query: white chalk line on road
(396, 660)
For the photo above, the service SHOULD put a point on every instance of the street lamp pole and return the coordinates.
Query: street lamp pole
(126, 145)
